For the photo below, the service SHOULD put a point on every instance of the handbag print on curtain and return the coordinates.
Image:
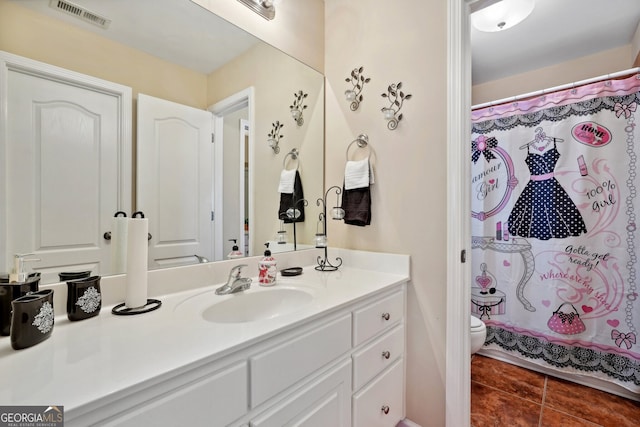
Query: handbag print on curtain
(566, 322)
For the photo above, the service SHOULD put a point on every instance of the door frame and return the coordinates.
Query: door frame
(245, 128)
(123, 94)
(232, 103)
(458, 350)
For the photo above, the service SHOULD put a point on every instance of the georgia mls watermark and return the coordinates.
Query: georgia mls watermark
(31, 416)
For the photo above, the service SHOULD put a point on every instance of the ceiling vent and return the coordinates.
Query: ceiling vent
(80, 13)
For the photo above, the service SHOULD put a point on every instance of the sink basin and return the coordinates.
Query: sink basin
(260, 305)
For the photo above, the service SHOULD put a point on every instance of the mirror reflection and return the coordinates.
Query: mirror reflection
(198, 197)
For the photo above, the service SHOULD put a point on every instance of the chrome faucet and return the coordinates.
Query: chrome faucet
(200, 258)
(235, 282)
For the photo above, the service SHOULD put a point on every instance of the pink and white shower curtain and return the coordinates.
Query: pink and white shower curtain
(554, 187)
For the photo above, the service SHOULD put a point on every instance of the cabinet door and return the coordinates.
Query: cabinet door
(216, 400)
(323, 402)
(280, 367)
(381, 402)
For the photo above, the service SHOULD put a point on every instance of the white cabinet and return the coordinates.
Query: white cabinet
(378, 362)
(343, 368)
(368, 340)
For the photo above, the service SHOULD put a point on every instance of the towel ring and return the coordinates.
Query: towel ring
(363, 142)
(294, 155)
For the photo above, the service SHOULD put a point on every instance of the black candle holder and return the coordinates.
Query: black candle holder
(293, 214)
(321, 238)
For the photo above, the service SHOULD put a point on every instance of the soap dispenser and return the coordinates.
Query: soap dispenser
(235, 251)
(267, 269)
(15, 285)
(18, 275)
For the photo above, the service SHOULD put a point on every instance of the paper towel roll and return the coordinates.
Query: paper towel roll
(137, 249)
(119, 244)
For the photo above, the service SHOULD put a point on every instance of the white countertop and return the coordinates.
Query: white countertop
(85, 361)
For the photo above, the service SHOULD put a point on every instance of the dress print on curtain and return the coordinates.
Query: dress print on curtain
(555, 217)
(544, 210)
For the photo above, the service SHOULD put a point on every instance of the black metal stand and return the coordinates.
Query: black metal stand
(323, 263)
(123, 310)
(294, 218)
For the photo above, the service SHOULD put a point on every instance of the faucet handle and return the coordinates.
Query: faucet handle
(237, 270)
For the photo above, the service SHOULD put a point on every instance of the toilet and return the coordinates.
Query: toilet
(478, 334)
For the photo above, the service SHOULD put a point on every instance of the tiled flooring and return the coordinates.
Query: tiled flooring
(504, 395)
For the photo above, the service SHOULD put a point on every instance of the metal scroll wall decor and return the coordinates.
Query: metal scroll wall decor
(354, 95)
(274, 136)
(396, 98)
(297, 107)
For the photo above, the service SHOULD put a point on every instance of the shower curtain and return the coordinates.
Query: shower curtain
(555, 271)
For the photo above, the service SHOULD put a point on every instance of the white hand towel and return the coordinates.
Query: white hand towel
(357, 174)
(287, 179)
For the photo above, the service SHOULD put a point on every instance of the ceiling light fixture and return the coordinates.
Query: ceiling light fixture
(264, 8)
(500, 15)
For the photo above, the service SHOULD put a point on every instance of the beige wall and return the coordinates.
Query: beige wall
(298, 28)
(635, 46)
(402, 41)
(29, 34)
(275, 79)
(586, 67)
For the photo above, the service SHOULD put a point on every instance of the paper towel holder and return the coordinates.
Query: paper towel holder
(141, 215)
(107, 234)
(151, 305)
(123, 310)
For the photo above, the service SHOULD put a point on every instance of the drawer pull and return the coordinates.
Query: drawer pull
(386, 316)
(386, 354)
(385, 409)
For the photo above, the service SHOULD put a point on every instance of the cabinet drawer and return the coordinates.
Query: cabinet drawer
(326, 402)
(376, 317)
(284, 365)
(378, 355)
(380, 403)
(223, 394)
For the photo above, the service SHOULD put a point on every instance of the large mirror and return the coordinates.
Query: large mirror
(179, 53)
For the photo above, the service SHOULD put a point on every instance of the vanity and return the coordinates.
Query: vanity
(321, 349)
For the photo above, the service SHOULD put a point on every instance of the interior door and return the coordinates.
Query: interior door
(63, 150)
(175, 180)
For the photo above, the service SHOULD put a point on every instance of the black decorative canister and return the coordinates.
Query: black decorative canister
(73, 275)
(32, 319)
(11, 291)
(84, 299)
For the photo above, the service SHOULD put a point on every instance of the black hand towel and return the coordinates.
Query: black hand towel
(292, 201)
(357, 206)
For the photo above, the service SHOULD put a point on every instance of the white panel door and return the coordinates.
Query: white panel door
(63, 151)
(175, 180)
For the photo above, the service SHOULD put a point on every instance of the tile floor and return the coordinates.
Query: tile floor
(504, 395)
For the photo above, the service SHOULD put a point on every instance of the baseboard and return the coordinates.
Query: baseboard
(407, 423)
